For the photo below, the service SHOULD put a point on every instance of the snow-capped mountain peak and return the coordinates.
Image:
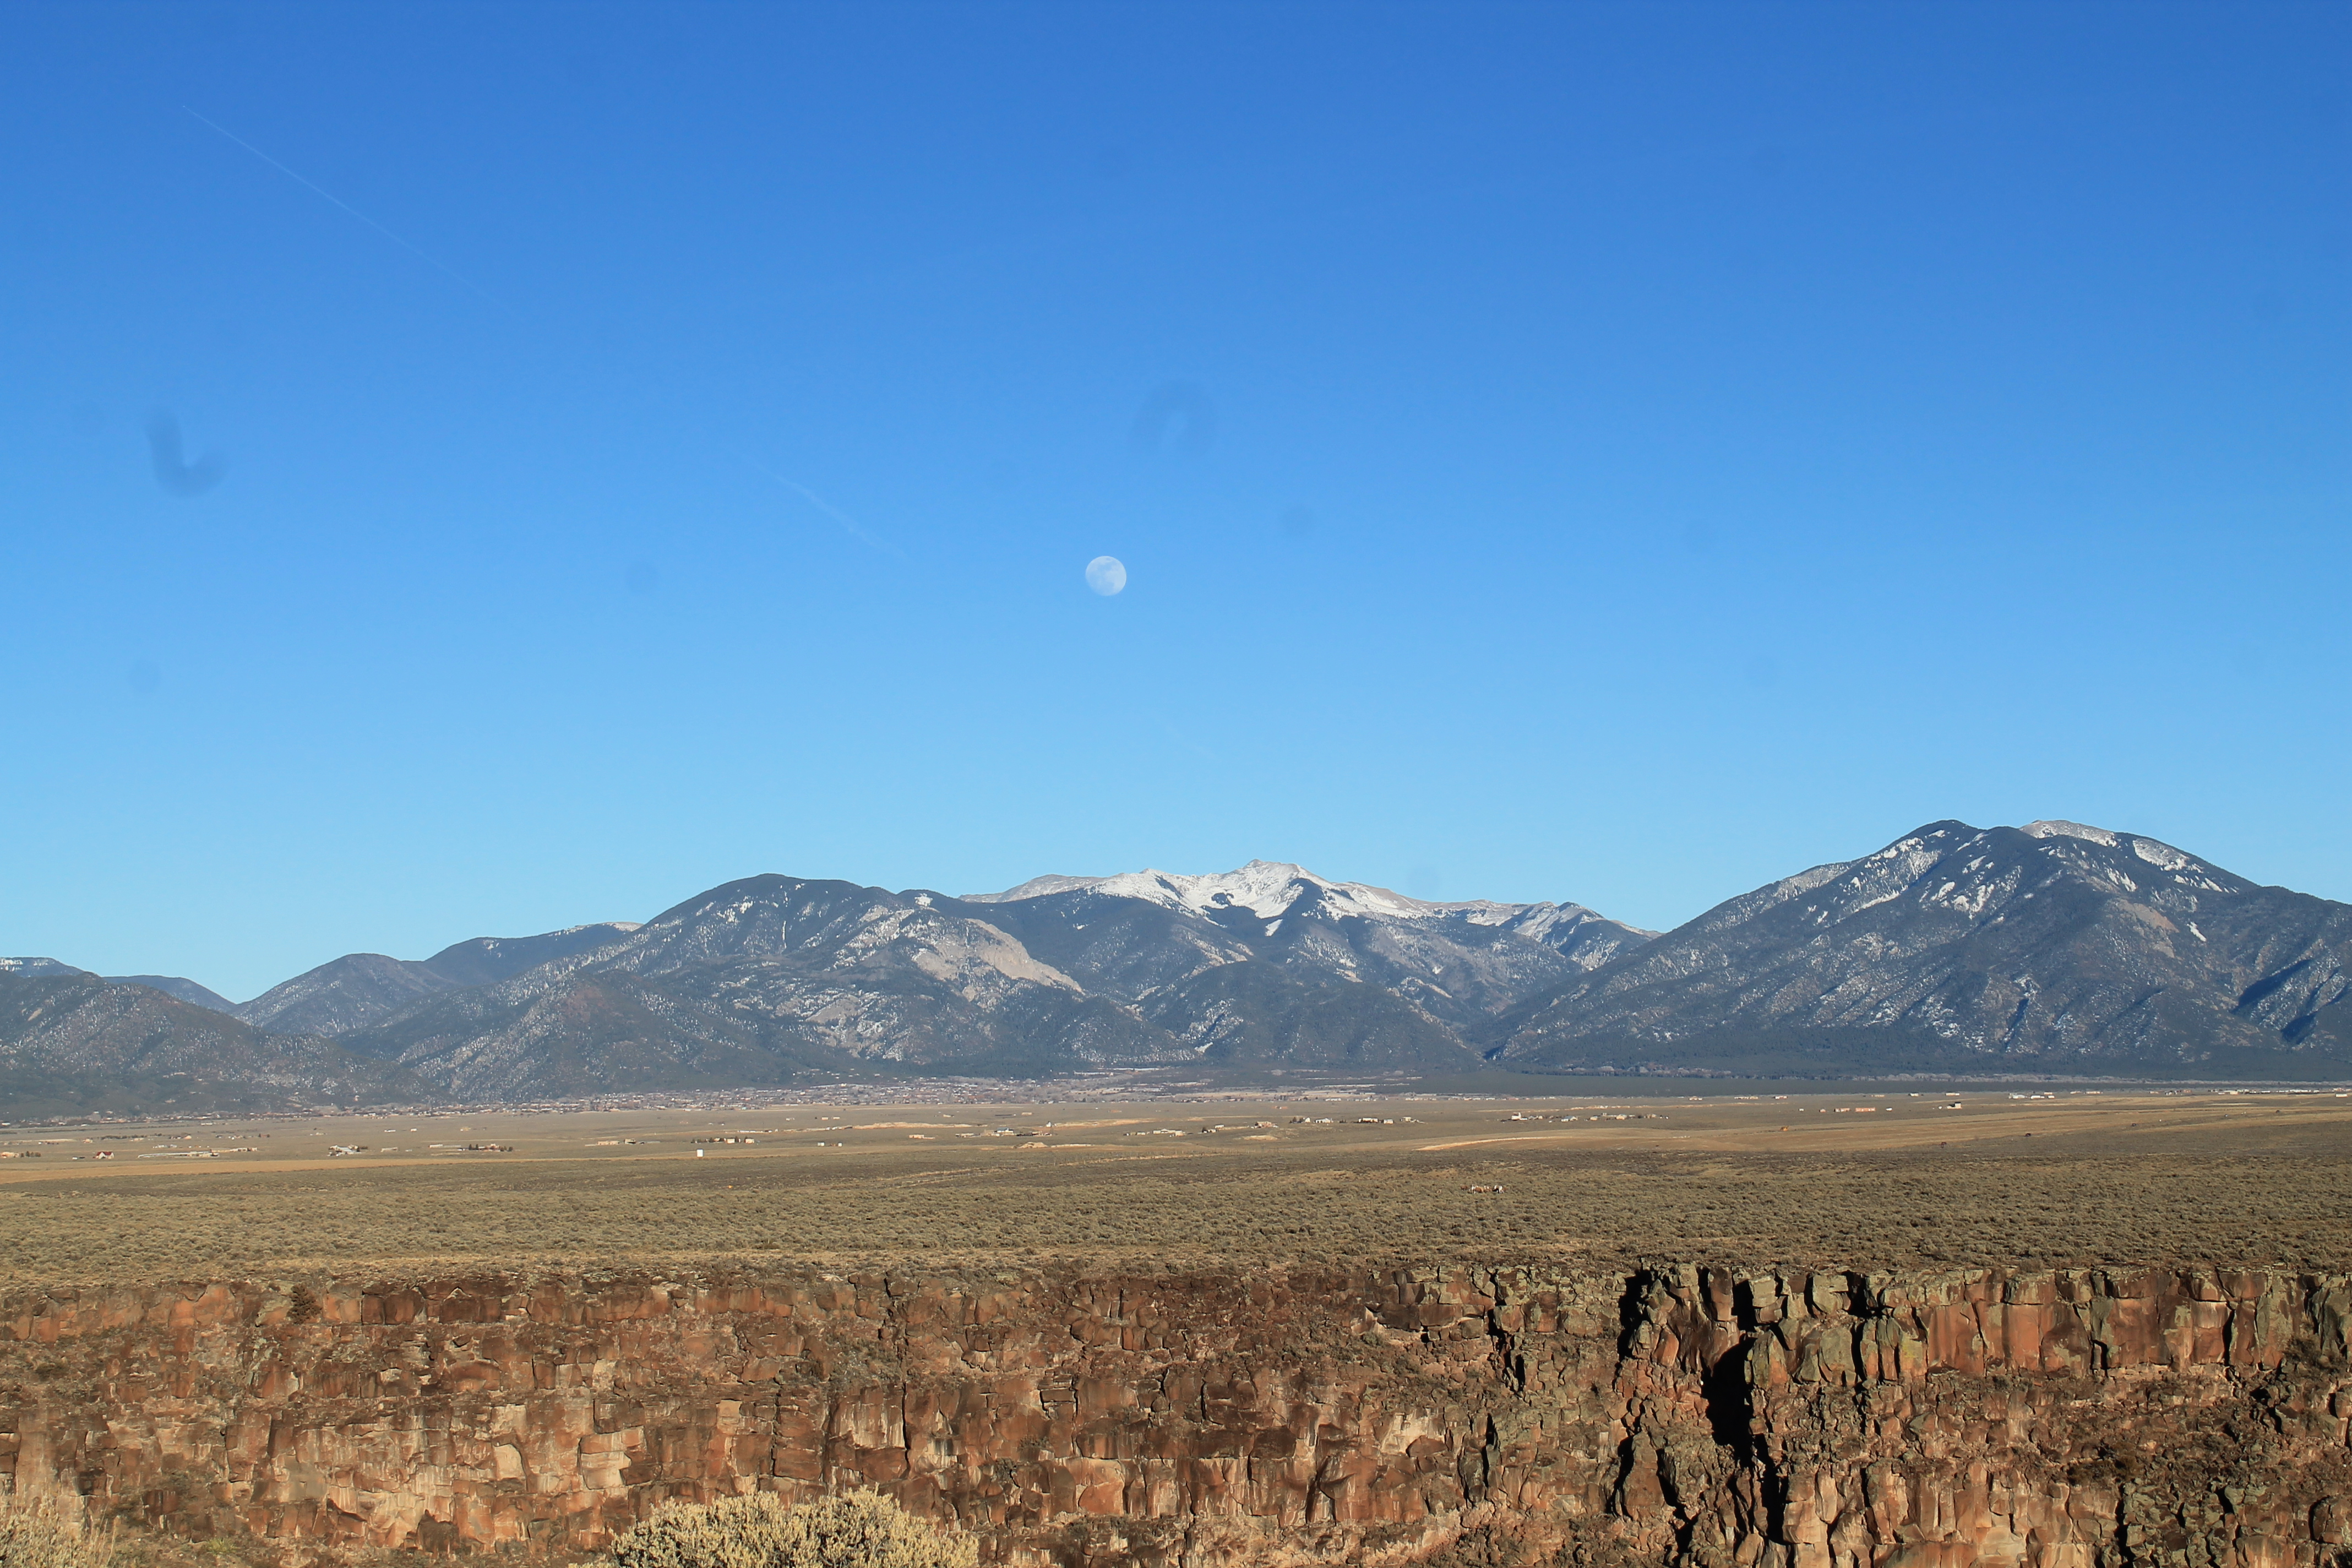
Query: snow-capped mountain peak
(1266, 889)
(1272, 889)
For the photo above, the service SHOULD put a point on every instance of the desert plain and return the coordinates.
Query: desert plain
(1870, 1174)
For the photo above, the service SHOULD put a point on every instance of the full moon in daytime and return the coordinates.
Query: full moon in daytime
(1106, 574)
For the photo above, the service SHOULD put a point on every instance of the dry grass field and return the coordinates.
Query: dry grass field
(1855, 1178)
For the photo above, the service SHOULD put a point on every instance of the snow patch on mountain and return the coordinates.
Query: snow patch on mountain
(2057, 827)
(1545, 923)
(1272, 890)
(1266, 889)
(1035, 888)
(2163, 856)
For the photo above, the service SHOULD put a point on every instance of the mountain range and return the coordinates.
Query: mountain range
(72, 1043)
(2051, 948)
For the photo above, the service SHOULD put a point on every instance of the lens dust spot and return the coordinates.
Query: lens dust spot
(1176, 417)
(173, 472)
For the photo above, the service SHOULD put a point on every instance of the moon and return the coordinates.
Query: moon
(1106, 574)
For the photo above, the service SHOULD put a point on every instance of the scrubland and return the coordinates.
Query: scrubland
(1933, 1178)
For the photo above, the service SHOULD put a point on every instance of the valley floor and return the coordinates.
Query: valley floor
(1871, 1178)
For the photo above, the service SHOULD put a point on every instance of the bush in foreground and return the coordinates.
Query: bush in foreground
(42, 1535)
(863, 1530)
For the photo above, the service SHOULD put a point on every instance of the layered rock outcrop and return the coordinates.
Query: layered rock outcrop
(1485, 1415)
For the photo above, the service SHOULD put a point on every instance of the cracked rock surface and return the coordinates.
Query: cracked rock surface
(1675, 1413)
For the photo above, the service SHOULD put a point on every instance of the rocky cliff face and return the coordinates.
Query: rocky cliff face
(1465, 1415)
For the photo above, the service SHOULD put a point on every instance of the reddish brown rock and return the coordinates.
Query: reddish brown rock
(1682, 1414)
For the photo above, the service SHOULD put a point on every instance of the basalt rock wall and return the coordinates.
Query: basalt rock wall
(1463, 1414)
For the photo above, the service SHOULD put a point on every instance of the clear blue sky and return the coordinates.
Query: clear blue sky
(1617, 454)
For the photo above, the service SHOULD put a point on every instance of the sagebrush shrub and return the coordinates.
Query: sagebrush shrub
(44, 1535)
(862, 1529)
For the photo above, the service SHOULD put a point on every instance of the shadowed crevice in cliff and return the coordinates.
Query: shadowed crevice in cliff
(1724, 1390)
(1632, 1312)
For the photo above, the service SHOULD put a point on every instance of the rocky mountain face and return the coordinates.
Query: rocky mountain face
(175, 985)
(362, 988)
(169, 984)
(73, 1043)
(762, 979)
(1456, 1414)
(36, 968)
(2056, 946)
(1272, 963)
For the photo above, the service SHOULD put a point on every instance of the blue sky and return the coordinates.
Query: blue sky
(1617, 454)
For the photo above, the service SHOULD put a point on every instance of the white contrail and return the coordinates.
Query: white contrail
(801, 490)
(321, 190)
(823, 506)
